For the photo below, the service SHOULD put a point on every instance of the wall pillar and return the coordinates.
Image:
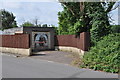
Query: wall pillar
(85, 41)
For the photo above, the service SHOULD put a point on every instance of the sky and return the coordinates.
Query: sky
(45, 11)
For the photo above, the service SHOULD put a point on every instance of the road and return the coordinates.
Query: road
(26, 67)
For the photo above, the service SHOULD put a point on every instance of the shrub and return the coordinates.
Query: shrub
(105, 55)
(115, 28)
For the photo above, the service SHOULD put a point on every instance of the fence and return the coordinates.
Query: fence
(82, 42)
(15, 41)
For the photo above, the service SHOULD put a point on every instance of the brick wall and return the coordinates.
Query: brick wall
(83, 42)
(15, 41)
(22, 41)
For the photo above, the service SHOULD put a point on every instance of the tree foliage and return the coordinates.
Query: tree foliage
(78, 17)
(67, 19)
(27, 24)
(44, 25)
(7, 19)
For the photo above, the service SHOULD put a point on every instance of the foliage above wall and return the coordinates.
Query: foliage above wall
(30, 24)
(27, 24)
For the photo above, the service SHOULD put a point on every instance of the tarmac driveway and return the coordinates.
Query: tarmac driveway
(55, 56)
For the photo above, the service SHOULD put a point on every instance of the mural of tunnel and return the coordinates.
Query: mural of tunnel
(41, 41)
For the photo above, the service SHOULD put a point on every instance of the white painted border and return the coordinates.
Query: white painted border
(70, 49)
(26, 52)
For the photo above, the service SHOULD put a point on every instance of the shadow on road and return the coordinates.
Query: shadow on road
(38, 54)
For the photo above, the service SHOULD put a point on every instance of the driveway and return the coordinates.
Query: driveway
(26, 67)
(55, 56)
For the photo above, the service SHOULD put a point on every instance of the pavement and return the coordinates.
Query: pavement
(28, 67)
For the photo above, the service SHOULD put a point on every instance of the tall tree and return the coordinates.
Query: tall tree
(7, 19)
(85, 16)
(68, 17)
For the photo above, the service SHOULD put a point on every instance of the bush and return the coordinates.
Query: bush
(105, 55)
(115, 28)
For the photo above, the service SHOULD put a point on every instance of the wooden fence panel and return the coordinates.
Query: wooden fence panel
(15, 41)
(82, 42)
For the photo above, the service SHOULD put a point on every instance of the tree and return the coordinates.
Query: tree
(44, 25)
(56, 29)
(27, 24)
(7, 19)
(100, 21)
(39, 25)
(67, 19)
(36, 22)
(79, 17)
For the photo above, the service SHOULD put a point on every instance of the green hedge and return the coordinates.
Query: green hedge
(105, 55)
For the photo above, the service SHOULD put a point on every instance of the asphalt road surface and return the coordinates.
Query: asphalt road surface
(25, 67)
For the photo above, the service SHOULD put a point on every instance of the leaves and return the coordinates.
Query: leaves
(94, 16)
(8, 19)
(105, 55)
(27, 24)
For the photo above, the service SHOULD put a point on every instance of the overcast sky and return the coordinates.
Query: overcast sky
(45, 11)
